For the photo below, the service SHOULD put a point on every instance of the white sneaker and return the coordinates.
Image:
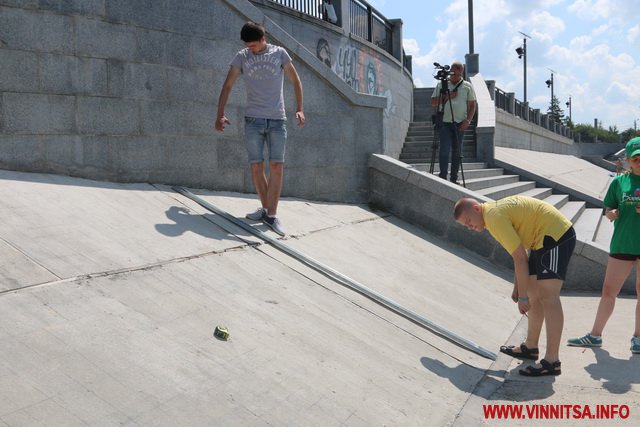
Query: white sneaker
(257, 215)
(275, 224)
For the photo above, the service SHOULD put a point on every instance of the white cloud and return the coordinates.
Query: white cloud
(580, 43)
(633, 35)
(545, 23)
(600, 30)
(411, 47)
(591, 9)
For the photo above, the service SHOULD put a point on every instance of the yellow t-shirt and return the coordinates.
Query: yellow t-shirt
(521, 220)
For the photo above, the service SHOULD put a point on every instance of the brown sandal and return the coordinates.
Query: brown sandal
(524, 353)
(546, 368)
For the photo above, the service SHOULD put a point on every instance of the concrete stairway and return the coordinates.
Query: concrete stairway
(418, 143)
(493, 183)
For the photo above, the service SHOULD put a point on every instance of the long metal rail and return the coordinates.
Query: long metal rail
(344, 280)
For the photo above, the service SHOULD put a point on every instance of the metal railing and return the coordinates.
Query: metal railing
(507, 102)
(364, 21)
(371, 25)
(308, 7)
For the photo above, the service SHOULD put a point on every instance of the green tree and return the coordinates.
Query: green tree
(568, 123)
(554, 112)
(629, 133)
(588, 133)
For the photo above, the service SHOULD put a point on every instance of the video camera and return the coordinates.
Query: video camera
(443, 72)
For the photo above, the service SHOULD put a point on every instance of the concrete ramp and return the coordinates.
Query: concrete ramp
(563, 172)
(116, 289)
(111, 293)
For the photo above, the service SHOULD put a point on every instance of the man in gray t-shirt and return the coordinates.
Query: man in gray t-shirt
(263, 67)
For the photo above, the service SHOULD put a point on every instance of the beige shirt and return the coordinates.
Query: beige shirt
(465, 93)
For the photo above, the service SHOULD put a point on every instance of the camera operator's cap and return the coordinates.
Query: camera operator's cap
(633, 147)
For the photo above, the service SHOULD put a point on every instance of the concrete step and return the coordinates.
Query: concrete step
(481, 173)
(426, 133)
(466, 140)
(425, 156)
(557, 200)
(537, 193)
(426, 159)
(572, 210)
(587, 224)
(490, 182)
(427, 126)
(424, 167)
(468, 173)
(423, 108)
(506, 190)
(604, 232)
(421, 144)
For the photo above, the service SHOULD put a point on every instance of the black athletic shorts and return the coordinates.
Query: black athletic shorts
(551, 261)
(625, 257)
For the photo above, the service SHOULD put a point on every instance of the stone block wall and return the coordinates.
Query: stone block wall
(126, 90)
(424, 200)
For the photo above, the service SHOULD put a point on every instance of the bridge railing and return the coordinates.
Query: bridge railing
(359, 17)
(507, 101)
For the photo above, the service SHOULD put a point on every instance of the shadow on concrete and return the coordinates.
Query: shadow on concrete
(464, 377)
(72, 181)
(185, 221)
(617, 375)
(454, 249)
(490, 384)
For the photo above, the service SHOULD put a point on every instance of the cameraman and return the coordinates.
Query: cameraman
(461, 100)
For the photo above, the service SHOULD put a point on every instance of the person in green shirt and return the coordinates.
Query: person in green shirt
(622, 206)
(522, 224)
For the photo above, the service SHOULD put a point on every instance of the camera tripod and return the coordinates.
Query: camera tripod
(437, 120)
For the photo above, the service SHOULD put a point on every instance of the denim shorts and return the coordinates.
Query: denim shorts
(261, 132)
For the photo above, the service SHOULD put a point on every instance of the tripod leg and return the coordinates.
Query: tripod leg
(434, 148)
(456, 156)
(460, 140)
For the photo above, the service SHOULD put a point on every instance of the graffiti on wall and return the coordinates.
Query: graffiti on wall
(347, 66)
(323, 52)
(359, 68)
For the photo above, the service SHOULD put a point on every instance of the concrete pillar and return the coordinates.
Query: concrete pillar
(472, 61)
(396, 38)
(491, 87)
(342, 12)
(511, 102)
(485, 149)
(536, 116)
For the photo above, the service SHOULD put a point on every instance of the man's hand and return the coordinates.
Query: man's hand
(463, 126)
(221, 122)
(514, 294)
(300, 117)
(523, 306)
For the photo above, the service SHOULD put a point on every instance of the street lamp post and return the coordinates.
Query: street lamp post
(550, 84)
(522, 53)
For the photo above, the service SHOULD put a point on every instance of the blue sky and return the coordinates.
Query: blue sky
(592, 45)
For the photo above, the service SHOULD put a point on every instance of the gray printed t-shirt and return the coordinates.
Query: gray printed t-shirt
(263, 75)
